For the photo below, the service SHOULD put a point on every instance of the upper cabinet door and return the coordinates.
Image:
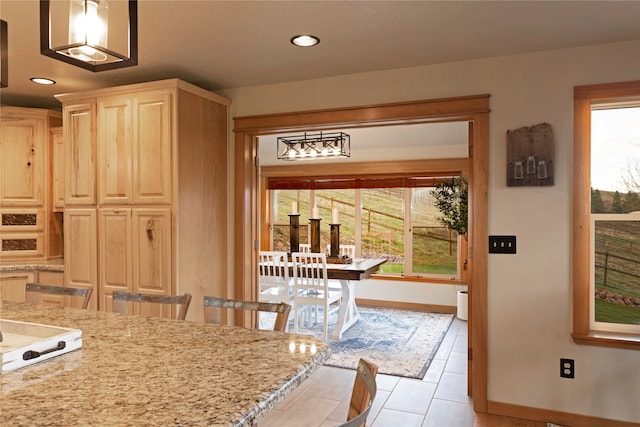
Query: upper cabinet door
(115, 138)
(152, 148)
(22, 156)
(80, 147)
(57, 169)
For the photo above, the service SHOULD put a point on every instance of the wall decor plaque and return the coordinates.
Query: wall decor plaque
(530, 156)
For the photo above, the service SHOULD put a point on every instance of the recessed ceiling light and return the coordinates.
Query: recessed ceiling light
(305, 40)
(42, 81)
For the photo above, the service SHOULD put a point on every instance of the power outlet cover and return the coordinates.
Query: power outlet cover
(567, 368)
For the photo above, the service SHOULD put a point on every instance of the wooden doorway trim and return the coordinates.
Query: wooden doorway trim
(471, 109)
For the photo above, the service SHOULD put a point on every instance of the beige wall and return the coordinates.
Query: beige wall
(529, 302)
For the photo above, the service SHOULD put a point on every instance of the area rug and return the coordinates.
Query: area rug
(400, 342)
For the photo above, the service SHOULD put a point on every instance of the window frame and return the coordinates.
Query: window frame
(583, 98)
(406, 169)
(458, 277)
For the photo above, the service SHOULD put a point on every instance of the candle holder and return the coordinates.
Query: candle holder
(294, 232)
(334, 254)
(335, 241)
(314, 238)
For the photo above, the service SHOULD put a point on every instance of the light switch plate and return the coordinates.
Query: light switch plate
(502, 244)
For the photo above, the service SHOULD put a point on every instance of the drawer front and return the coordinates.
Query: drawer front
(18, 220)
(21, 245)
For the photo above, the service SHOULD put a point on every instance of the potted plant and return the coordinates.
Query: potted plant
(452, 200)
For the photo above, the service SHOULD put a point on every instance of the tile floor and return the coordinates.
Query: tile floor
(438, 400)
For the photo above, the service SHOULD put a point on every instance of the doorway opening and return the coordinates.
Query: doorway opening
(473, 110)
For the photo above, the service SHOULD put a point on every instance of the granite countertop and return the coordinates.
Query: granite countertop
(134, 370)
(48, 265)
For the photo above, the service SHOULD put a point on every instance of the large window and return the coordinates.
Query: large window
(615, 216)
(606, 217)
(398, 223)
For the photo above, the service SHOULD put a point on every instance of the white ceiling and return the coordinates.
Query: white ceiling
(407, 142)
(224, 44)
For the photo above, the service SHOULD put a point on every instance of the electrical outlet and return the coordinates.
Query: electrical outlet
(567, 368)
(502, 244)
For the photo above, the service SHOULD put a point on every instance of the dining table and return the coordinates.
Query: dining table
(147, 371)
(347, 274)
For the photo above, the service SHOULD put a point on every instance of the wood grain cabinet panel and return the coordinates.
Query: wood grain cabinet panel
(57, 169)
(80, 148)
(115, 124)
(22, 162)
(81, 250)
(13, 283)
(115, 258)
(152, 148)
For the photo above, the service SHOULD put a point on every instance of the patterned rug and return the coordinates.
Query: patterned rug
(400, 342)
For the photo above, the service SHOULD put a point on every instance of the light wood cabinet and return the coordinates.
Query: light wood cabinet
(134, 157)
(161, 179)
(134, 251)
(81, 250)
(26, 220)
(12, 284)
(80, 154)
(57, 169)
(152, 148)
(22, 158)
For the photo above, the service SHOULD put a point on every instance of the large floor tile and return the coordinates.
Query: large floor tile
(445, 413)
(453, 386)
(391, 418)
(411, 396)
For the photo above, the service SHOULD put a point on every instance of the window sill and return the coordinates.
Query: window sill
(608, 339)
(382, 276)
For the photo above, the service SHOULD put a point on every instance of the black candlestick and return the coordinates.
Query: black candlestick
(294, 232)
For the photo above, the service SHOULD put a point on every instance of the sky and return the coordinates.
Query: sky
(615, 144)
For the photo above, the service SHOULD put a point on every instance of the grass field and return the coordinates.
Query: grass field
(617, 269)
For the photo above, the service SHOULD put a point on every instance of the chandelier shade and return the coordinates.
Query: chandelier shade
(91, 34)
(324, 145)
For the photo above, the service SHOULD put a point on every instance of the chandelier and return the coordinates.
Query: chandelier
(78, 32)
(324, 145)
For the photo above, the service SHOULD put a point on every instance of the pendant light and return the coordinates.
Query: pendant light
(90, 33)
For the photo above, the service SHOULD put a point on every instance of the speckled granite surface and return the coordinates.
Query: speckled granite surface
(142, 371)
(51, 265)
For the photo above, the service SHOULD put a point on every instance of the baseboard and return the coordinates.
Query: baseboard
(555, 417)
(406, 305)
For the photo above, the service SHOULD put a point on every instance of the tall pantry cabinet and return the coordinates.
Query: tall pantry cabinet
(146, 192)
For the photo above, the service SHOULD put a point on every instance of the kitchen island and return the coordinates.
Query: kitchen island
(134, 370)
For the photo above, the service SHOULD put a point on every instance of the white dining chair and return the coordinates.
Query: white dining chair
(311, 289)
(348, 251)
(305, 247)
(273, 277)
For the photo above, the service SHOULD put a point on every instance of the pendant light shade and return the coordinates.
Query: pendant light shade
(324, 145)
(93, 34)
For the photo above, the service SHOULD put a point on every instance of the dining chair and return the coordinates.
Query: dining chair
(213, 307)
(363, 393)
(311, 288)
(273, 277)
(348, 251)
(34, 292)
(122, 298)
(305, 247)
